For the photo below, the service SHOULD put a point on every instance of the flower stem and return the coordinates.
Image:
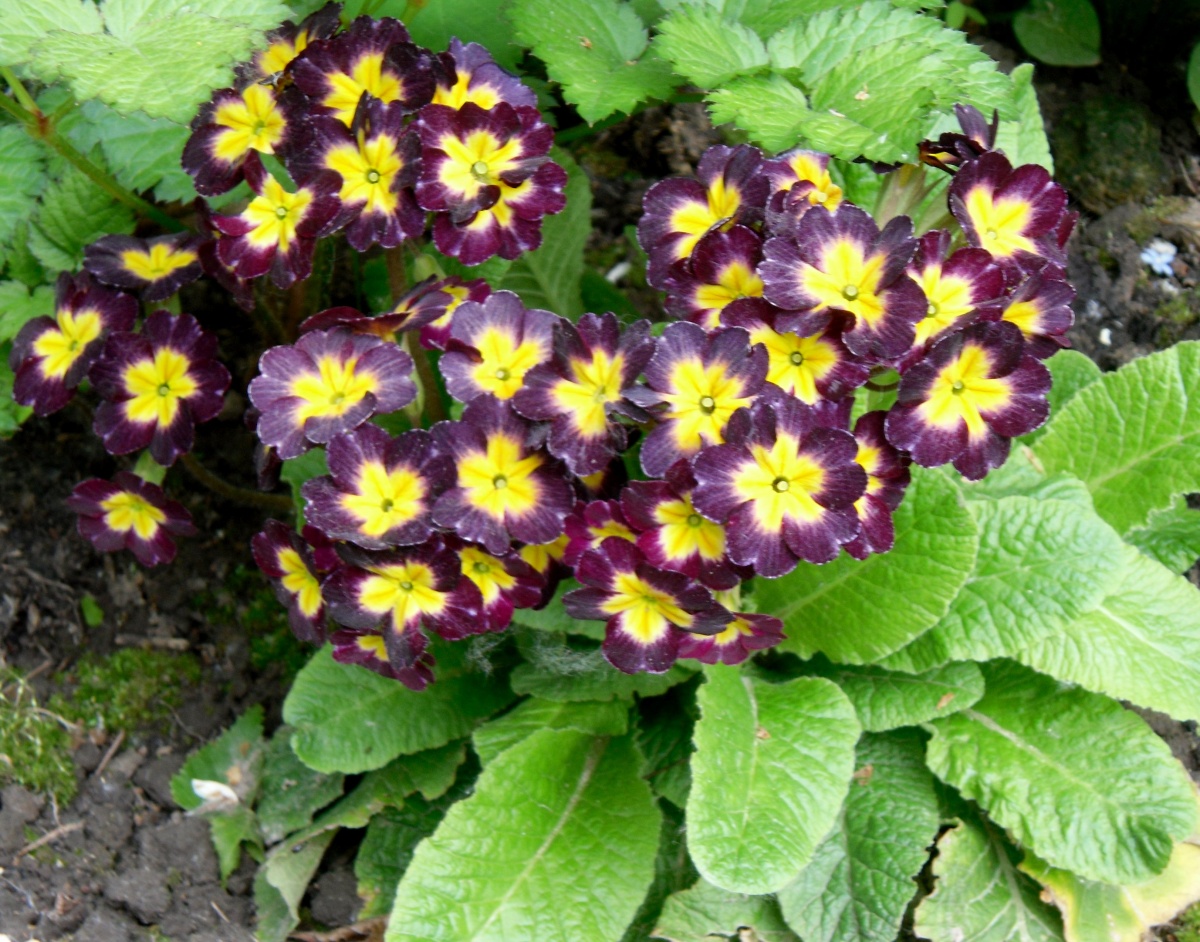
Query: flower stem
(276, 503)
(435, 409)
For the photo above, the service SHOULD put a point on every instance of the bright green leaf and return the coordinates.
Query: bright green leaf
(1024, 141)
(706, 912)
(11, 414)
(230, 830)
(885, 699)
(608, 718)
(73, 213)
(1070, 371)
(768, 107)
(472, 21)
(23, 25)
(22, 177)
(19, 305)
(1059, 32)
(1171, 537)
(1020, 476)
(291, 792)
(708, 49)
(387, 850)
(570, 669)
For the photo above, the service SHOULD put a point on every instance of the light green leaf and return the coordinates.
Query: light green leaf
(609, 718)
(22, 177)
(771, 768)
(1070, 371)
(230, 830)
(548, 277)
(348, 719)
(431, 773)
(234, 759)
(1193, 75)
(74, 212)
(980, 896)
(24, 24)
(862, 877)
(768, 107)
(889, 599)
(553, 617)
(1106, 801)
(706, 912)
(708, 49)
(569, 669)
(1133, 436)
(473, 21)
(1140, 643)
(1059, 32)
(1020, 476)
(573, 862)
(885, 699)
(19, 305)
(291, 792)
(1024, 141)
(11, 414)
(1171, 536)
(280, 883)
(387, 850)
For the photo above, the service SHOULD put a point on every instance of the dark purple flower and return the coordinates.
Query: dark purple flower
(505, 583)
(887, 477)
(369, 649)
(155, 268)
(1041, 307)
(720, 275)
(591, 524)
(286, 42)
(287, 560)
(735, 642)
(467, 74)
(130, 513)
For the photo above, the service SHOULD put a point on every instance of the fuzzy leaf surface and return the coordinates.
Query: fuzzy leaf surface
(1171, 537)
(886, 699)
(567, 669)
(606, 718)
(291, 792)
(705, 912)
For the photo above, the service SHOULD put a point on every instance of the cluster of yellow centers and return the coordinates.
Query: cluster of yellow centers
(366, 75)
(384, 499)
(702, 399)
(368, 170)
(299, 580)
(963, 390)
(503, 361)
(333, 389)
(847, 279)
(596, 383)
(254, 123)
(275, 215)
(406, 591)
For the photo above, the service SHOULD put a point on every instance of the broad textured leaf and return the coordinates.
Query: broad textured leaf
(1171, 536)
(18, 305)
(1140, 643)
(1071, 371)
(664, 734)
(74, 212)
(291, 792)
(607, 718)
(1106, 800)
(595, 49)
(1133, 436)
(472, 21)
(24, 24)
(1041, 564)
(862, 877)
(280, 883)
(1019, 476)
(11, 414)
(885, 699)
(548, 277)
(22, 177)
(351, 720)
(573, 861)
(771, 768)
(708, 49)
(858, 611)
(387, 850)
(706, 912)
(431, 773)
(767, 107)
(980, 896)
(1059, 32)
(567, 669)
(1024, 141)
(234, 758)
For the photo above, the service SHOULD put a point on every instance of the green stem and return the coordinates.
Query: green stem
(19, 90)
(435, 409)
(276, 503)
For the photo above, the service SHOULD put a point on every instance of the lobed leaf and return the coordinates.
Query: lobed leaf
(24, 24)
(1024, 141)
(707, 48)
(768, 107)
(73, 213)
(886, 699)
(19, 305)
(22, 178)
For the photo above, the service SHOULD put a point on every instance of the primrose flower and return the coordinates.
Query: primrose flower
(155, 268)
(493, 345)
(887, 477)
(330, 381)
(748, 632)
(51, 355)
(975, 391)
(277, 232)
(840, 263)
(1017, 215)
(648, 611)
(697, 382)
(799, 181)
(546, 560)
(380, 490)
(467, 74)
(130, 513)
(504, 490)
(728, 190)
(286, 42)
(1041, 306)
(505, 583)
(369, 649)
(430, 306)
(784, 487)
(591, 524)
(287, 560)
(236, 123)
(953, 149)
(583, 388)
(721, 272)
(241, 290)
(158, 386)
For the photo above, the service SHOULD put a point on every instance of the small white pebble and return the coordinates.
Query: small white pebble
(1159, 254)
(1169, 287)
(617, 272)
(1092, 309)
(1106, 336)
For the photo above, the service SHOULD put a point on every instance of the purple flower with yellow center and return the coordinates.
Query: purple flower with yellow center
(467, 153)
(591, 524)
(377, 159)
(130, 513)
(372, 57)
(728, 190)
(51, 355)
(975, 391)
(546, 560)
(467, 74)
(511, 226)
(887, 477)
(648, 611)
(581, 390)
(721, 271)
(287, 560)
(784, 487)
(505, 583)
(380, 489)
(697, 381)
(493, 345)
(233, 125)
(277, 232)
(155, 268)
(504, 490)
(158, 386)
(286, 42)
(951, 149)
(241, 290)
(747, 633)
(1014, 214)
(368, 649)
(329, 381)
(799, 181)
(673, 534)
(1041, 307)
(430, 307)
(840, 263)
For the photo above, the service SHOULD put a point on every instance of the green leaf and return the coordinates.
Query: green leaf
(768, 107)
(1133, 436)
(1070, 371)
(1106, 801)
(548, 277)
(1140, 643)
(885, 699)
(431, 773)
(473, 21)
(296, 471)
(980, 896)
(11, 414)
(291, 792)
(22, 176)
(73, 213)
(234, 759)
(281, 882)
(706, 48)
(25, 24)
(609, 718)
(21, 264)
(19, 305)
(573, 861)
(553, 617)
(862, 877)
(771, 768)
(1059, 32)
(230, 830)
(664, 735)
(1042, 564)
(1024, 141)
(1020, 476)
(1193, 75)
(387, 850)
(1171, 536)
(889, 599)
(351, 720)
(569, 669)
(596, 50)
(706, 912)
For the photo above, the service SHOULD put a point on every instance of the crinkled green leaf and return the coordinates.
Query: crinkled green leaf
(771, 768)
(281, 882)
(22, 178)
(291, 792)
(708, 49)
(705, 912)
(234, 758)
(664, 735)
(1133, 436)
(348, 719)
(1084, 783)
(572, 861)
(768, 107)
(888, 599)
(1059, 32)
(20, 264)
(1171, 536)
(23, 25)
(73, 213)
(1024, 141)
(567, 669)
(596, 50)
(387, 850)
(19, 305)
(885, 699)
(1020, 476)
(980, 896)
(1070, 371)
(607, 718)
(862, 877)
(472, 21)
(430, 772)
